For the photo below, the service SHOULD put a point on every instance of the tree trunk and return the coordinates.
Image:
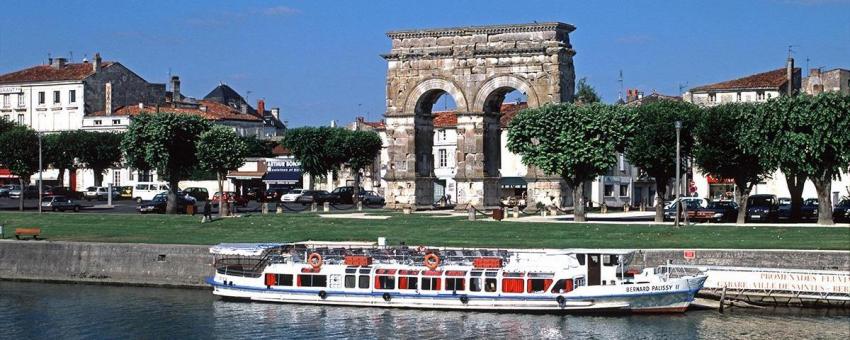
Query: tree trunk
(356, 192)
(98, 177)
(660, 190)
(823, 185)
(742, 194)
(578, 203)
(61, 177)
(171, 205)
(222, 204)
(21, 198)
(795, 188)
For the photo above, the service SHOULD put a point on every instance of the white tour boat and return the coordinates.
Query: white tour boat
(452, 279)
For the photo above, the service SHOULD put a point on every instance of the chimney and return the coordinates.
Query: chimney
(261, 108)
(203, 108)
(175, 90)
(276, 113)
(815, 82)
(107, 98)
(789, 75)
(141, 106)
(58, 63)
(95, 65)
(243, 108)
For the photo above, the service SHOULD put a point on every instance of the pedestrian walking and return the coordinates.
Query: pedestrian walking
(207, 212)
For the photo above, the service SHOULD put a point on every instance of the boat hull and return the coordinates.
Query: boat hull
(595, 299)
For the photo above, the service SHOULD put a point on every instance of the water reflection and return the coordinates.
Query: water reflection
(34, 310)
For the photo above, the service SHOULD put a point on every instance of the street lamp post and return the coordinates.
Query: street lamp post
(40, 170)
(678, 126)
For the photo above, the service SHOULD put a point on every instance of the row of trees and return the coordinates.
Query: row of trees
(323, 150)
(803, 136)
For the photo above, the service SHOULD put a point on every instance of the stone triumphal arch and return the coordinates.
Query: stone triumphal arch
(477, 67)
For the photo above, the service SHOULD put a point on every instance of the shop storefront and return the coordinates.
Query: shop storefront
(283, 173)
(720, 188)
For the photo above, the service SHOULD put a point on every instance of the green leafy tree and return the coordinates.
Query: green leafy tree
(575, 142)
(363, 147)
(319, 149)
(99, 151)
(586, 94)
(723, 149)
(652, 146)
(61, 149)
(221, 150)
(165, 142)
(19, 153)
(257, 147)
(807, 137)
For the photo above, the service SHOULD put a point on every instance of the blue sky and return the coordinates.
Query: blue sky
(319, 60)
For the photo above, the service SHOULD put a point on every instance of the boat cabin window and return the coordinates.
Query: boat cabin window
(563, 286)
(538, 285)
(312, 280)
(475, 284)
(512, 285)
(350, 281)
(489, 285)
(363, 282)
(610, 260)
(580, 258)
(430, 283)
(407, 282)
(350, 270)
(284, 279)
(384, 282)
(491, 273)
(365, 270)
(454, 284)
(475, 273)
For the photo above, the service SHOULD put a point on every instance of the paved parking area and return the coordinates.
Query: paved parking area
(129, 207)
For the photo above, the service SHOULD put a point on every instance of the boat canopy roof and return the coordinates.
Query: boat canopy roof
(243, 249)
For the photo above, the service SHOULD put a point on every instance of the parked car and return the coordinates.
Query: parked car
(292, 195)
(159, 203)
(228, 197)
(316, 196)
(715, 211)
(100, 193)
(200, 194)
(690, 203)
(125, 192)
(4, 190)
(274, 194)
(372, 198)
(808, 209)
(59, 203)
(346, 194)
(146, 191)
(254, 194)
(30, 191)
(762, 208)
(841, 211)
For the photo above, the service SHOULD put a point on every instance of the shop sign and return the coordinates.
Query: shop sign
(10, 89)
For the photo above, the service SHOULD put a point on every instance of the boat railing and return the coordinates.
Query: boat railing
(246, 266)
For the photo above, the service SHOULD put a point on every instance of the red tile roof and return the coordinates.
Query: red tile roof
(766, 80)
(40, 73)
(214, 111)
(443, 119)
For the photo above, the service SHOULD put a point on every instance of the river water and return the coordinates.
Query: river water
(68, 311)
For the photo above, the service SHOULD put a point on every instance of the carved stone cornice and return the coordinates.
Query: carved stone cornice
(491, 29)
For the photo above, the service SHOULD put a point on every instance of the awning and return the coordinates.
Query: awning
(245, 175)
(283, 175)
(513, 183)
(5, 173)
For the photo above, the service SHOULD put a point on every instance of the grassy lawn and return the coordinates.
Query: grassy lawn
(415, 230)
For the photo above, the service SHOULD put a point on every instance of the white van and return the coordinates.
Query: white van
(145, 191)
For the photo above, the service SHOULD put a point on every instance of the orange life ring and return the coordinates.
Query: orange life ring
(431, 261)
(315, 260)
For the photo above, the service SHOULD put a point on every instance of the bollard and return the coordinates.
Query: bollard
(314, 207)
(626, 207)
(604, 208)
(516, 212)
(471, 211)
(326, 207)
(407, 210)
(279, 209)
(265, 208)
(543, 212)
(359, 205)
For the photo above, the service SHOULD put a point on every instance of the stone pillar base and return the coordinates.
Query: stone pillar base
(413, 193)
(549, 192)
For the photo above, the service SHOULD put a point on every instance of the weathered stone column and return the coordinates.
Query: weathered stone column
(475, 185)
(546, 189)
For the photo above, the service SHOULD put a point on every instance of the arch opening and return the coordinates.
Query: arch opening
(433, 104)
(499, 107)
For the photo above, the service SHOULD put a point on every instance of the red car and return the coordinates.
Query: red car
(230, 196)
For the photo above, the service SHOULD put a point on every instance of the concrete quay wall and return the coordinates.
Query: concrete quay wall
(188, 265)
(107, 263)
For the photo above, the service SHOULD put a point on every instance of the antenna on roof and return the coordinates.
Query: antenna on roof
(682, 87)
(247, 95)
(70, 56)
(620, 80)
(791, 50)
(49, 58)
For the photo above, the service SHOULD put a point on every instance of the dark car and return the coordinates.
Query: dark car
(808, 209)
(66, 191)
(59, 203)
(762, 208)
(200, 194)
(30, 191)
(691, 203)
(715, 211)
(317, 196)
(160, 201)
(274, 194)
(346, 194)
(841, 211)
(254, 194)
(372, 198)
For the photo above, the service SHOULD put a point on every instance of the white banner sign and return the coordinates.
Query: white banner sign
(813, 282)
